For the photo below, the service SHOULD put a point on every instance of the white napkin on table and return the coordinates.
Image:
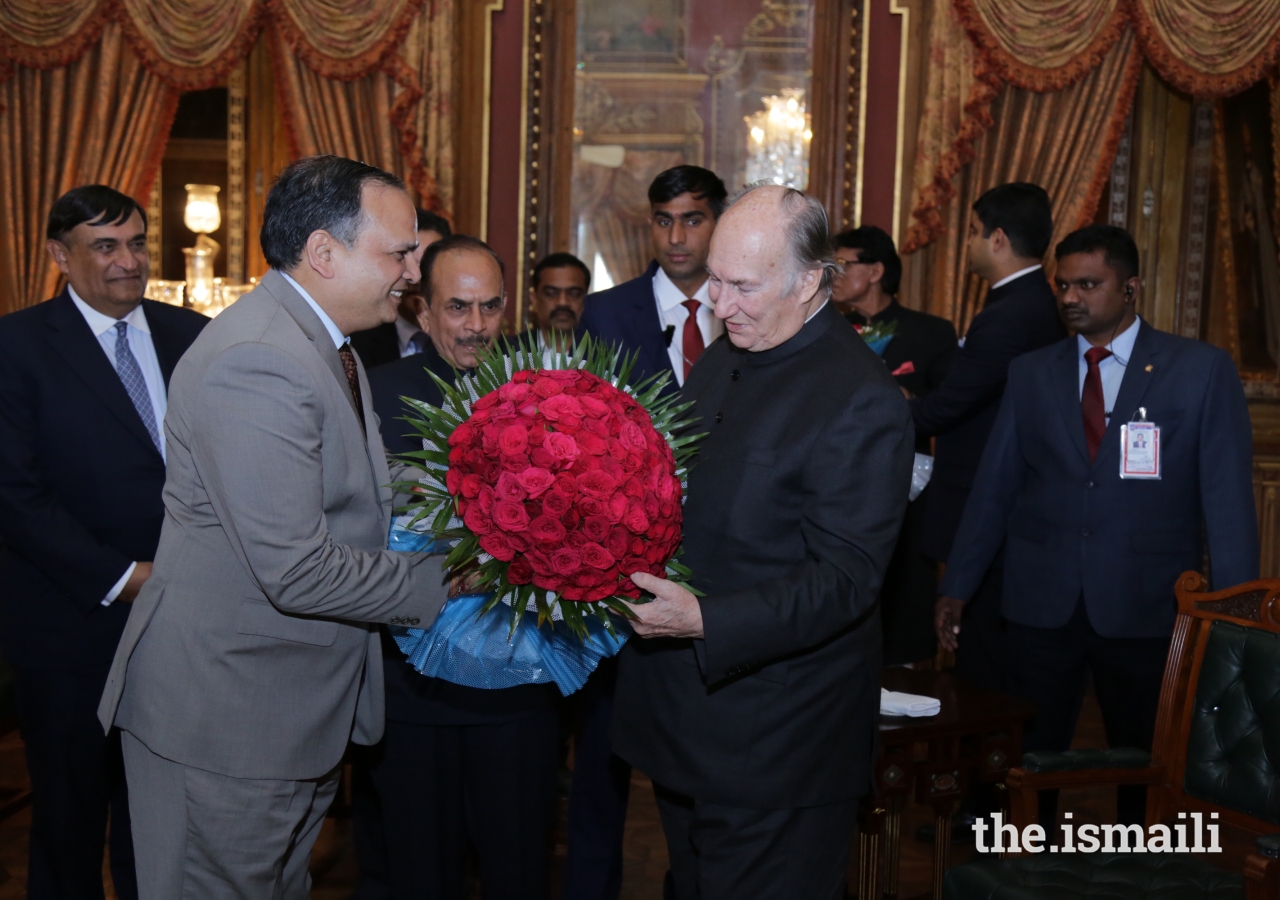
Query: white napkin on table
(895, 703)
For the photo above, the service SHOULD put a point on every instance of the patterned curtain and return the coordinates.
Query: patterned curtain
(103, 118)
(369, 80)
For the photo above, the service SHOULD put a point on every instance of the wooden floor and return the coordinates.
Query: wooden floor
(645, 863)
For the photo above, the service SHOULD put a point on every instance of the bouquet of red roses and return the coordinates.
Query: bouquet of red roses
(554, 478)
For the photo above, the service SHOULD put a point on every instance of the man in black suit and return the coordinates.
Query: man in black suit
(754, 708)
(1092, 547)
(83, 392)
(666, 313)
(666, 317)
(404, 336)
(917, 356)
(455, 763)
(557, 296)
(1009, 232)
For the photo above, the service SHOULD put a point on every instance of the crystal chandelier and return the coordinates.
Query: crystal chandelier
(778, 141)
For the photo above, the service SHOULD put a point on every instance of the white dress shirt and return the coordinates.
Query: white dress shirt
(338, 337)
(144, 351)
(404, 334)
(671, 311)
(1018, 274)
(1112, 368)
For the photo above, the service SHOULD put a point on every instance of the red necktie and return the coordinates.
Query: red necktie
(1093, 406)
(353, 377)
(693, 345)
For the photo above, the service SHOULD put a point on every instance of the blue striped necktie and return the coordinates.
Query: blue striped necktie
(131, 374)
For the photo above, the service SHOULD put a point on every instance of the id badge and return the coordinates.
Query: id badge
(1140, 449)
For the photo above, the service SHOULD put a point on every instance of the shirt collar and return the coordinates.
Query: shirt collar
(818, 310)
(1003, 281)
(1121, 346)
(669, 296)
(338, 337)
(100, 323)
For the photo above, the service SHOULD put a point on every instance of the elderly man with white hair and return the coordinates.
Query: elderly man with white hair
(753, 707)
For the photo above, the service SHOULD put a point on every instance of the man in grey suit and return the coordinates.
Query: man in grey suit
(252, 654)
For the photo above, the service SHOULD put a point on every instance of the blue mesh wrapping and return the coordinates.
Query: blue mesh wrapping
(478, 650)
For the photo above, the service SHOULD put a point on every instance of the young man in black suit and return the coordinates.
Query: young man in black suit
(918, 357)
(446, 771)
(403, 337)
(754, 707)
(83, 391)
(1009, 232)
(1092, 556)
(666, 313)
(665, 316)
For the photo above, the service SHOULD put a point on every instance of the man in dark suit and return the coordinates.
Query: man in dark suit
(666, 314)
(1092, 556)
(754, 708)
(666, 317)
(83, 391)
(557, 297)
(403, 337)
(1009, 232)
(457, 764)
(917, 356)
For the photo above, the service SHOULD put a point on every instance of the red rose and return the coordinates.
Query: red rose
(594, 406)
(634, 518)
(596, 556)
(616, 541)
(596, 484)
(633, 564)
(519, 542)
(561, 406)
(633, 488)
(562, 446)
(632, 437)
(453, 481)
(635, 546)
(651, 506)
(477, 521)
(543, 459)
(537, 434)
(515, 463)
(595, 528)
(596, 426)
(575, 539)
(590, 506)
(490, 472)
(513, 440)
(463, 434)
(471, 485)
(556, 502)
(485, 500)
(509, 487)
(541, 562)
(571, 519)
(535, 481)
(566, 561)
(546, 387)
(457, 456)
(510, 516)
(547, 529)
(567, 484)
(592, 444)
(496, 546)
(520, 572)
(616, 508)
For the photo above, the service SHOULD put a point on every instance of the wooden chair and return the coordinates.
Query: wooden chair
(1216, 750)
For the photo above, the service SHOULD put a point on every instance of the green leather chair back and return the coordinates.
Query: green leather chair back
(1233, 748)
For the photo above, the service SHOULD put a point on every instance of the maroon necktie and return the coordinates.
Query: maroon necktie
(693, 345)
(1093, 406)
(353, 378)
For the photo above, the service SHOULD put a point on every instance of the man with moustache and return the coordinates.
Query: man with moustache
(457, 764)
(1091, 557)
(404, 337)
(665, 317)
(754, 707)
(252, 655)
(556, 298)
(917, 356)
(83, 390)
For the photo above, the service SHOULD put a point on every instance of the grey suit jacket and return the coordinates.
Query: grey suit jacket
(252, 651)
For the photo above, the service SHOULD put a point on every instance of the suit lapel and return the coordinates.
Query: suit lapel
(1066, 374)
(649, 322)
(373, 440)
(1137, 378)
(84, 356)
(311, 326)
(165, 345)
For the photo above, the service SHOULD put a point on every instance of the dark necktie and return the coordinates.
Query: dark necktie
(353, 378)
(418, 342)
(693, 344)
(131, 375)
(1093, 405)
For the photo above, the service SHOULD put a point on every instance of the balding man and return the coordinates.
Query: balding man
(753, 708)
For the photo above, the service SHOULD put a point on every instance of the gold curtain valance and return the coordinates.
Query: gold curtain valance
(1209, 48)
(193, 44)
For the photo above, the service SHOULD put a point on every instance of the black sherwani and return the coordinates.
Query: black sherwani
(793, 508)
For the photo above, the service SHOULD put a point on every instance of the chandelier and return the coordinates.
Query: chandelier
(778, 139)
